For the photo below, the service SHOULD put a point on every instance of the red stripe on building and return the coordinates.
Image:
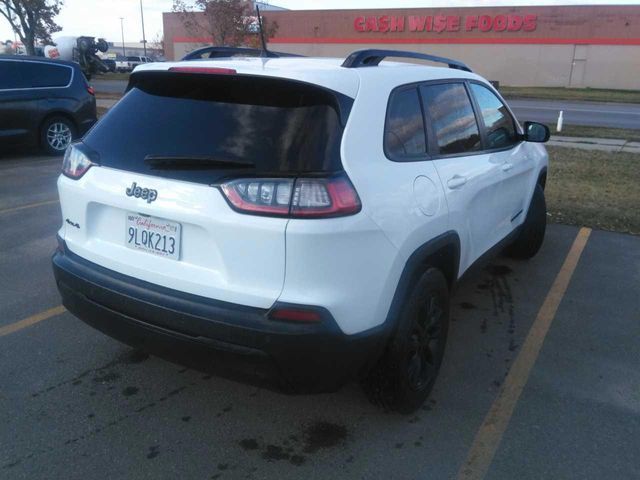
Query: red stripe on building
(502, 40)
(434, 40)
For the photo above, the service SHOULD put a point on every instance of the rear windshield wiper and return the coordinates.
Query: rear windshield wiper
(186, 162)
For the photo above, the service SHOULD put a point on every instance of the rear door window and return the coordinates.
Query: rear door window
(451, 117)
(25, 74)
(272, 126)
(500, 129)
(404, 134)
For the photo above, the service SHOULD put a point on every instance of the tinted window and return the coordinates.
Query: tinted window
(449, 110)
(404, 129)
(279, 126)
(133, 59)
(500, 127)
(10, 76)
(21, 74)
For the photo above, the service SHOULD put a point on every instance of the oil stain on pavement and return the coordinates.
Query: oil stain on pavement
(318, 435)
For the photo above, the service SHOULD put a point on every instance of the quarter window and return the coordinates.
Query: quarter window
(452, 119)
(23, 74)
(404, 136)
(499, 124)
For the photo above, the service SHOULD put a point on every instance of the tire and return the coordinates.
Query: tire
(56, 134)
(404, 376)
(531, 236)
(83, 44)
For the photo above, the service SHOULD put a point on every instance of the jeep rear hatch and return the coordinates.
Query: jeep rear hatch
(138, 191)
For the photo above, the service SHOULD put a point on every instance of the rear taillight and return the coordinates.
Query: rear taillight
(324, 198)
(305, 197)
(91, 90)
(270, 196)
(76, 161)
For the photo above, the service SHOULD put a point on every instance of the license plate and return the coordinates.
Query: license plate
(153, 235)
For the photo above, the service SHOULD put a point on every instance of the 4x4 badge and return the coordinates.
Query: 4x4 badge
(145, 193)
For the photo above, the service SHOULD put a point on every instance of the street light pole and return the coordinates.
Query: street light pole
(122, 30)
(144, 40)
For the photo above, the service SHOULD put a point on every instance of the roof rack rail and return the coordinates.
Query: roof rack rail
(223, 52)
(371, 57)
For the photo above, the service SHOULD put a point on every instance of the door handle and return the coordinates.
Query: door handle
(506, 166)
(456, 182)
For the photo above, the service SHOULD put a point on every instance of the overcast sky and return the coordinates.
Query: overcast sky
(101, 18)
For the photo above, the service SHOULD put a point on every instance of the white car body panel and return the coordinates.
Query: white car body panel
(225, 255)
(349, 265)
(345, 265)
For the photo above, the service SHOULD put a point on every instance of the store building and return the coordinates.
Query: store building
(560, 46)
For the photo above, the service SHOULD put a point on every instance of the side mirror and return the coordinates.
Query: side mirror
(536, 132)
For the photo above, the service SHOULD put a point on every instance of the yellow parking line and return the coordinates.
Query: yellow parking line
(489, 435)
(32, 320)
(31, 205)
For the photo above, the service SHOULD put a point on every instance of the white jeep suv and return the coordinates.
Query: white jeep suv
(298, 222)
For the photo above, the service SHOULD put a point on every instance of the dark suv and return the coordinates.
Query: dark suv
(44, 102)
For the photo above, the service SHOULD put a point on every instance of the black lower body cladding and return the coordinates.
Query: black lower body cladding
(230, 340)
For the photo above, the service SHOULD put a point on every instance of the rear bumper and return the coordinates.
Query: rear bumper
(231, 340)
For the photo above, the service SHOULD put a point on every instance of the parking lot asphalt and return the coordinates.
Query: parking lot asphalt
(597, 114)
(109, 86)
(77, 404)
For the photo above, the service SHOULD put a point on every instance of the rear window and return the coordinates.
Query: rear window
(277, 126)
(24, 74)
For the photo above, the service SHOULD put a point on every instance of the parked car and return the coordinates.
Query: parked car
(134, 61)
(299, 220)
(44, 102)
(122, 64)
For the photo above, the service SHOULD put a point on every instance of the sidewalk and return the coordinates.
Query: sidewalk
(590, 143)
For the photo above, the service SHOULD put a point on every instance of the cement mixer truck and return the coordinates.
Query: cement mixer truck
(82, 50)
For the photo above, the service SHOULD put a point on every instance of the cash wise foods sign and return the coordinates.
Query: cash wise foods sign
(445, 23)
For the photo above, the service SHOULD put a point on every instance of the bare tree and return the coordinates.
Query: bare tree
(158, 42)
(32, 20)
(270, 28)
(226, 22)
